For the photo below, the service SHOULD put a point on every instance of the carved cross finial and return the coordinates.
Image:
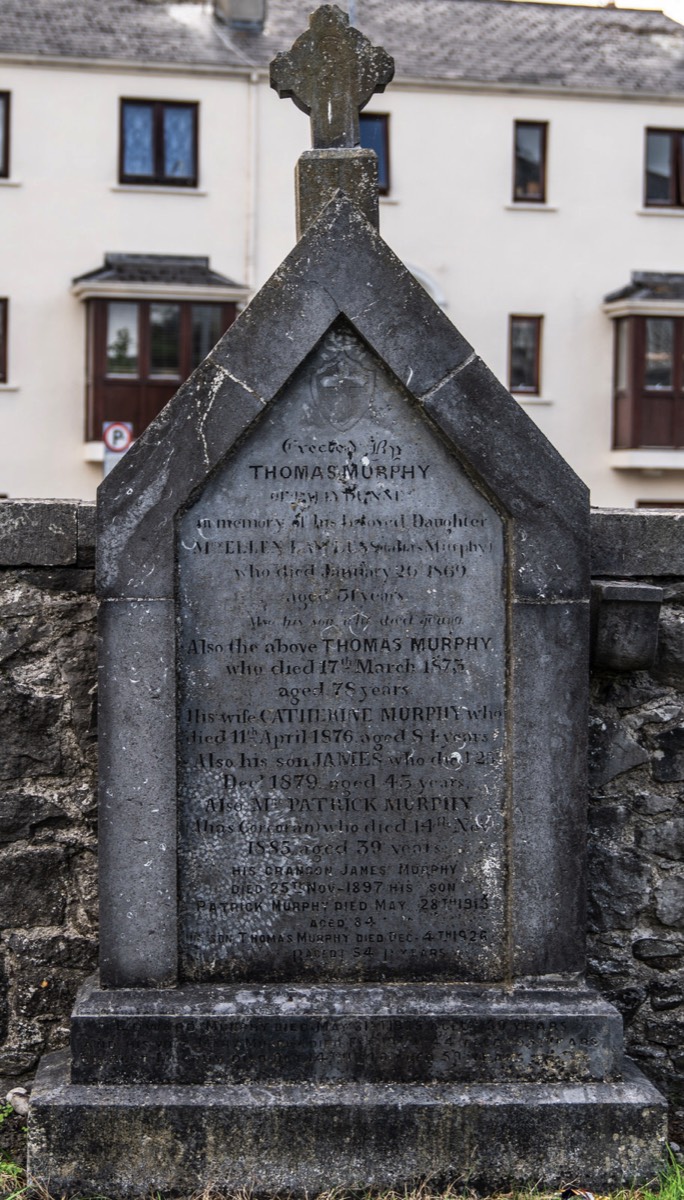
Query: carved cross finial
(331, 73)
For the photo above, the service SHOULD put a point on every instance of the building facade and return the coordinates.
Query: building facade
(532, 173)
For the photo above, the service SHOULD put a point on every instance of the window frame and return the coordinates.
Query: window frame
(676, 197)
(4, 325)
(544, 127)
(537, 319)
(647, 418)
(669, 504)
(384, 119)
(5, 120)
(144, 394)
(158, 179)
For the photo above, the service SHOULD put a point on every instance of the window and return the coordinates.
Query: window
(375, 136)
(140, 351)
(524, 354)
(678, 504)
(4, 134)
(158, 143)
(529, 171)
(3, 341)
(664, 168)
(648, 387)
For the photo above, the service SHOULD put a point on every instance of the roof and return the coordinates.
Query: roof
(180, 269)
(477, 41)
(650, 285)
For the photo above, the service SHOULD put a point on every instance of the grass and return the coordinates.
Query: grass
(12, 1176)
(670, 1186)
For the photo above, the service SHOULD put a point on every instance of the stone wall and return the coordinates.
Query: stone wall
(47, 775)
(47, 790)
(636, 813)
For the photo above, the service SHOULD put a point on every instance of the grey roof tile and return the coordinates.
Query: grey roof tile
(486, 41)
(650, 285)
(183, 269)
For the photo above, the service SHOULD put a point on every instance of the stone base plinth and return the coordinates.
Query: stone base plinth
(362, 1033)
(301, 1138)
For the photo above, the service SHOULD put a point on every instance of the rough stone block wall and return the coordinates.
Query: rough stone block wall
(47, 791)
(636, 810)
(47, 775)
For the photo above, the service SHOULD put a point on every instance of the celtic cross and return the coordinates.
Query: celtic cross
(330, 73)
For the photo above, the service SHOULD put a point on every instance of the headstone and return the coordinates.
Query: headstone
(345, 619)
(351, 757)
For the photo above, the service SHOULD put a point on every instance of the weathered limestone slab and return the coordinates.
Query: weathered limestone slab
(38, 533)
(320, 174)
(550, 666)
(301, 1138)
(356, 718)
(138, 939)
(624, 618)
(630, 543)
(369, 1033)
(331, 73)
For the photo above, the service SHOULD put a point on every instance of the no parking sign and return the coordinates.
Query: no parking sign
(118, 438)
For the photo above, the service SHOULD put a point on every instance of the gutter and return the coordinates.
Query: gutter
(251, 73)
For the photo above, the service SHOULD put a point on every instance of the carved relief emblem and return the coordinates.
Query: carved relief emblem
(343, 383)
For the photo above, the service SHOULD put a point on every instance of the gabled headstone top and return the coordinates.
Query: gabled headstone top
(330, 73)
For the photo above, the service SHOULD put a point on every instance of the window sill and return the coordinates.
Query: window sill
(655, 211)
(647, 460)
(525, 206)
(526, 398)
(93, 452)
(155, 189)
(11, 183)
(9, 387)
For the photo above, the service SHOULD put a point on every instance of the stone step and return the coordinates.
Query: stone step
(386, 1033)
(297, 1138)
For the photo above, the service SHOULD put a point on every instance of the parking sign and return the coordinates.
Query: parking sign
(118, 438)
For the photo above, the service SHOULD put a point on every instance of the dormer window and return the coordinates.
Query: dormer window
(151, 319)
(648, 371)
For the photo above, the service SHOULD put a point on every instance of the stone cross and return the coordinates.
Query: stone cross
(331, 72)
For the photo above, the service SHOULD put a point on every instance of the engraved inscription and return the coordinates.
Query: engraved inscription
(342, 693)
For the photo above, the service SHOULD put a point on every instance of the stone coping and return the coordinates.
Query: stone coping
(631, 542)
(625, 542)
(47, 533)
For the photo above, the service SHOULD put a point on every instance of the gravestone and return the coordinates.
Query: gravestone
(344, 595)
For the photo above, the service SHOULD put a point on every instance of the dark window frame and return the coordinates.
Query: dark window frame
(159, 179)
(520, 197)
(384, 185)
(676, 197)
(647, 417)
(669, 504)
(4, 308)
(5, 119)
(142, 396)
(534, 389)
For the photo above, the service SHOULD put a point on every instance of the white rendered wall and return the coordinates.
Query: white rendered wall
(66, 214)
(449, 214)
